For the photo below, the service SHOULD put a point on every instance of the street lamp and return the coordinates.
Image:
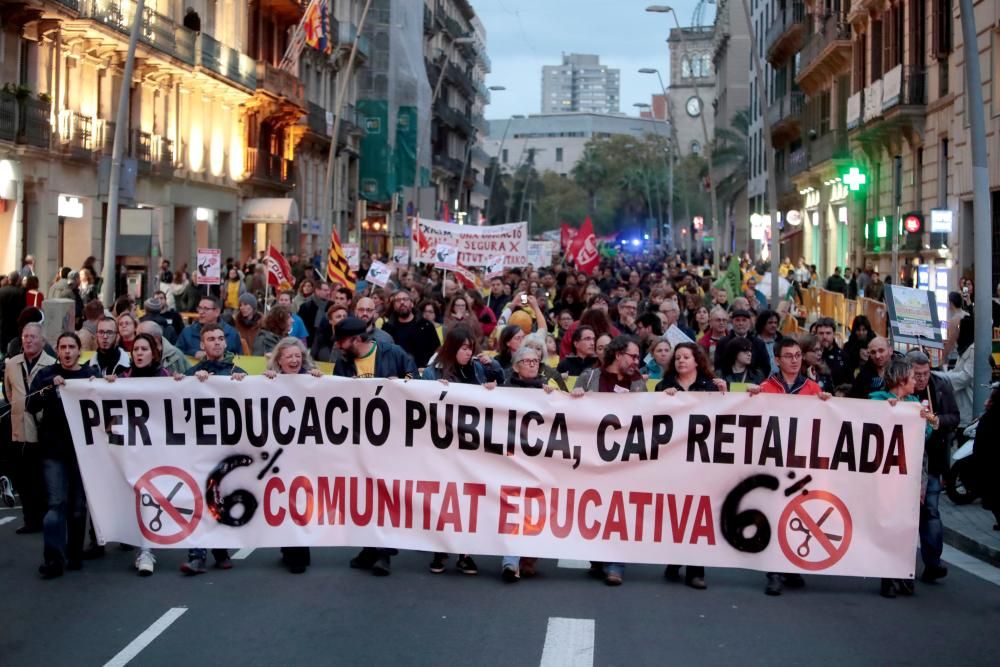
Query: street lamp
(671, 143)
(664, 9)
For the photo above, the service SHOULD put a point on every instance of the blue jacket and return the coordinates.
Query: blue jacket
(391, 361)
(298, 328)
(189, 341)
(483, 374)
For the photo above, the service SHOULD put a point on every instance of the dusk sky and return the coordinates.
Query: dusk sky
(524, 35)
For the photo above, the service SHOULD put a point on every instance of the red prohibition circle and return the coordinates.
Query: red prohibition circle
(796, 509)
(186, 525)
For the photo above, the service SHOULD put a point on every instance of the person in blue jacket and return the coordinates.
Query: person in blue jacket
(209, 311)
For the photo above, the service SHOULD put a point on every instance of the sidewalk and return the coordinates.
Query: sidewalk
(969, 528)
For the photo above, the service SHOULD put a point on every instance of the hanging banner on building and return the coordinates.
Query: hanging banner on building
(209, 263)
(540, 253)
(476, 245)
(913, 316)
(352, 253)
(776, 483)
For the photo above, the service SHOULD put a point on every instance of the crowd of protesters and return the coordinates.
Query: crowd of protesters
(640, 323)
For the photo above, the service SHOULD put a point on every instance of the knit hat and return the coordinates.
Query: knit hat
(248, 299)
(349, 327)
(153, 305)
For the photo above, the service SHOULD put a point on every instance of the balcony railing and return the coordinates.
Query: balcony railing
(163, 156)
(835, 29)
(141, 149)
(792, 18)
(453, 117)
(34, 127)
(265, 166)
(106, 137)
(8, 117)
(787, 107)
(72, 4)
(830, 146)
(448, 164)
(280, 83)
(798, 161)
(77, 133)
(904, 85)
(462, 80)
(316, 119)
(158, 31)
(214, 56)
(346, 32)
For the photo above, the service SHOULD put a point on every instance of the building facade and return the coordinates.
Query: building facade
(211, 140)
(731, 59)
(581, 83)
(757, 183)
(692, 86)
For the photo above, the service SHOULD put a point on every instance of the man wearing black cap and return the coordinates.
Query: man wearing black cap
(362, 357)
(743, 328)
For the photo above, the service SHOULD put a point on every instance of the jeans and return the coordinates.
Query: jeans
(513, 561)
(614, 568)
(931, 528)
(218, 554)
(65, 522)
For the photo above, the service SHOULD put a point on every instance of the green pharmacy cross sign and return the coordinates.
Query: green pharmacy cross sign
(854, 179)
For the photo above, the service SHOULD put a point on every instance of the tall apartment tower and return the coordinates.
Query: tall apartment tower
(580, 83)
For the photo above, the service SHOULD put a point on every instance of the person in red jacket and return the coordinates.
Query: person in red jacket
(788, 380)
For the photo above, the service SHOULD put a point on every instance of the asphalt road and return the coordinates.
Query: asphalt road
(258, 614)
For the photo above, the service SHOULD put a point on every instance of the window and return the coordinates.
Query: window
(504, 160)
(706, 65)
(941, 21)
(559, 154)
(685, 68)
(695, 148)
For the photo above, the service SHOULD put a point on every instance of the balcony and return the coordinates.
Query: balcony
(826, 54)
(281, 84)
(76, 133)
(163, 156)
(33, 126)
(453, 118)
(891, 107)
(784, 115)
(462, 80)
(346, 32)
(316, 120)
(267, 169)
(214, 56)
(449, 164)
(798, 161)
(831, 146)
(141, 150)
(158, 31)
(786, 34)
(105, 137)
(8, 117)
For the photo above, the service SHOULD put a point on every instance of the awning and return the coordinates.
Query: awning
(280, 211)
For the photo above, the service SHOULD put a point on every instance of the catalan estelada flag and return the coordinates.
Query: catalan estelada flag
(316, 25)
(337, 269)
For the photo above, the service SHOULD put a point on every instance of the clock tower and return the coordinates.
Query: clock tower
(692, 86)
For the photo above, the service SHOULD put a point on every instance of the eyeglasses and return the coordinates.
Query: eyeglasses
(792, 357)
(106, 333)
(204, 308)
(530, 362)
(633, 355)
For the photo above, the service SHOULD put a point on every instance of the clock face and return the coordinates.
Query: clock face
(693, 106)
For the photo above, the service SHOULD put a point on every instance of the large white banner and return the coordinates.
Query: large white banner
(540, 253)
(477, 246)
(773, 483)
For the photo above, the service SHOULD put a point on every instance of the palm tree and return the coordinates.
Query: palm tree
(731, 155)
(589, 173)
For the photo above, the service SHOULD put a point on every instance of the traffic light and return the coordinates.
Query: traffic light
(854, 178)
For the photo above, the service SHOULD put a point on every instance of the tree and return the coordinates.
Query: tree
(731, 156)
(561, 200)
(589, 173)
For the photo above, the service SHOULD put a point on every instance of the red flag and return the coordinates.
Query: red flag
(583, 250)
(279, 273)
(467, 278)
(446, 214)
(566, 236)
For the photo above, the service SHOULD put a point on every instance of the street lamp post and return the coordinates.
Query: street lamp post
(331, 190)
(664, 9)
(672, 143)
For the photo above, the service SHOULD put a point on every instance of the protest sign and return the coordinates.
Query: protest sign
(378, 273)
(675, 336)
(494, 267)
(352, 253)
(780, 484)
(540, 253)
(913, 316)
(446, 256)
(476, 245)
(209, 262)
(400, 256)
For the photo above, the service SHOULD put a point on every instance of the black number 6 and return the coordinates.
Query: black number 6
(221, 507)
(734, 522)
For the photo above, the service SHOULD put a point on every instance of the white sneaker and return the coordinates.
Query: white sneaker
(7, 491)
(145, 562)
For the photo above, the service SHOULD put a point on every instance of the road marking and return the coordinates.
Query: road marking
(569, 642)
(7, 519)
(146, 638)
(573, 564)
(972, 565)
(243, 554)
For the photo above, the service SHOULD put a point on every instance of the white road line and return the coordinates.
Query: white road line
(146, 638)
(243, 554)
(972, 565)
(573, 564)
(569, 642)
(7, 519)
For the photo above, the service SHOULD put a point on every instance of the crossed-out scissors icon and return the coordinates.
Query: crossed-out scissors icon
(148, 501)
(797, 525)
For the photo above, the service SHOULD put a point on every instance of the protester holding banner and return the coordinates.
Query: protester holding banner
(65, 523)
(538, 342)
(618, 374)
(583, 357)
(899, 386)
(289, 357)
(109, 359)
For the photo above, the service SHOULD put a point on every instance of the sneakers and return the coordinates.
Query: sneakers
(466, 565)
(194, 566)
(509, 574)
(774, 584)
(145, 562)
(381, 567)
(933, 573)
(437, 563)
(697, 583)
(7, 491)
(224, 563)
(613, 579)
(365, 559)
